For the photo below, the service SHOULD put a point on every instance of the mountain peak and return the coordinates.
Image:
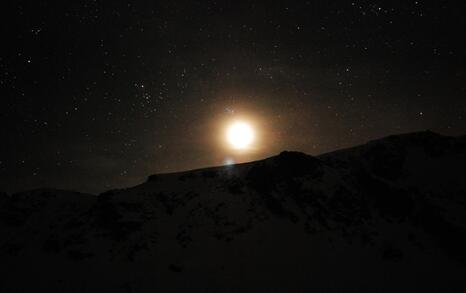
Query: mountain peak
(384, 205)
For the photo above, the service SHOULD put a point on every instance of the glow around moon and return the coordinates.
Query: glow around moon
(240, 135)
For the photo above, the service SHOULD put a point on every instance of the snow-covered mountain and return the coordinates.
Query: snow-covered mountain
(386, 216)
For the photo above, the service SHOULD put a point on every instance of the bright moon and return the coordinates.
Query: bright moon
(240, 135)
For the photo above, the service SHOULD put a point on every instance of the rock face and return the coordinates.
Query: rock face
(387, 216)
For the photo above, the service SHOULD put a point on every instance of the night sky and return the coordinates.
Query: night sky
(99, 95)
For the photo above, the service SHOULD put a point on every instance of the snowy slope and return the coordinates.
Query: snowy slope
(387, 216)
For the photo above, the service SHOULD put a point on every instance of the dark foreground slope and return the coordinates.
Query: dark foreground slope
(387, 216)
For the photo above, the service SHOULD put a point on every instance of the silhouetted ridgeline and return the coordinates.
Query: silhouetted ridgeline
(386, 216)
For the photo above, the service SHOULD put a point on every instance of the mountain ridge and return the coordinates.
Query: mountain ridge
(389, 215)
(151, 177)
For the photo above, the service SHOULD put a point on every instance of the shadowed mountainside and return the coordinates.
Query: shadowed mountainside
(386, 216)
